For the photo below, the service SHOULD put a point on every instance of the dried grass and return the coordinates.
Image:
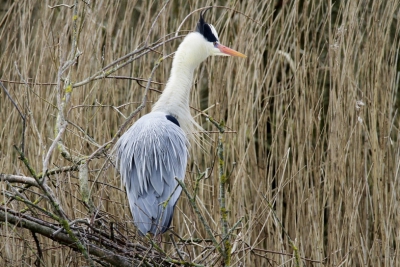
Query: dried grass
(314, 110)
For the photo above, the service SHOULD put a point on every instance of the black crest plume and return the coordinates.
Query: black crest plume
(205, 29)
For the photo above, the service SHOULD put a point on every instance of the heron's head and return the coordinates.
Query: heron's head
(214, 48)
(199, 45)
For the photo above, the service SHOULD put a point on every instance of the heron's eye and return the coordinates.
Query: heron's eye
(215, 44)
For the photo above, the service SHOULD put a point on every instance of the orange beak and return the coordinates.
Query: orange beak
(229, 51)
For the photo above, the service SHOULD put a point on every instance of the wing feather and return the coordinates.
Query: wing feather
(149, 157)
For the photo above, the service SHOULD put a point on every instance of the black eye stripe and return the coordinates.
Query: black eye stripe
(207, 33)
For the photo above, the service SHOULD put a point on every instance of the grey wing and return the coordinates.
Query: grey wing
(149, 157)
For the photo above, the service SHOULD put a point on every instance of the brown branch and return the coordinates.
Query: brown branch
(20, 113)
(59, 170)
(39, 256)
(18, 179)
(131, 116)
(104, 254)
(103, 73)
(27, 83)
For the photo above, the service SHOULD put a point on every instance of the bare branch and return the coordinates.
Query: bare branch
(62, 128)
(29, 83)
(102, 253)
(154, 22)
(12, 101)
(129, 119)
(11, 178)
(20, 113)
(103, 73)
(61, 5)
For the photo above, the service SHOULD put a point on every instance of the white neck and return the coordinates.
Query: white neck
(175, 98)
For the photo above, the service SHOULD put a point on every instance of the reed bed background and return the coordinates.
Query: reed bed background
(312, 150)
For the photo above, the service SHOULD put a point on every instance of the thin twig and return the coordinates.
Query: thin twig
(197, 211)
(20, 113)
(207, 7)
(176, 247)
(60, 5)
(61, 131)
(29, 83)
(12, 100)
(154, 22)
(103, 73)
(291, 242)
(39, 258)
(23, 199)
(130, 117)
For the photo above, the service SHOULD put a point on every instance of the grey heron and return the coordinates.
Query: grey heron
(154, 150)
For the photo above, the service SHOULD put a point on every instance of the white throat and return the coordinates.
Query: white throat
(175, 98)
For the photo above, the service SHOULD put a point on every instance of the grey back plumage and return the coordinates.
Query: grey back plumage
(149, 157)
